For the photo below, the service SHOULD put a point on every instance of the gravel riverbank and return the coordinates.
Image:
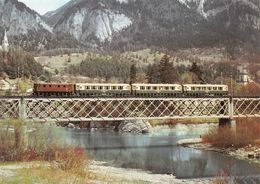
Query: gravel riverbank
(108, 174)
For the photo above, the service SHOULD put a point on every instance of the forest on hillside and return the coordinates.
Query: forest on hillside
(17, 63)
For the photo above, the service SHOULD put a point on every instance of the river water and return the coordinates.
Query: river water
(158, 152)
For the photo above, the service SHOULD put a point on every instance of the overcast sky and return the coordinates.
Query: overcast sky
(43, 6)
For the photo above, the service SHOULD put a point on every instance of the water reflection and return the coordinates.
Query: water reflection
(157, 153)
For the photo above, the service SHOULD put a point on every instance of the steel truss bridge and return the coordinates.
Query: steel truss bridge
(119, 109)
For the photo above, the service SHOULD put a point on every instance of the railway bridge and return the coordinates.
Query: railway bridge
(120, 109)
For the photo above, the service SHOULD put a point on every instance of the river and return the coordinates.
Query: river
(158, 152)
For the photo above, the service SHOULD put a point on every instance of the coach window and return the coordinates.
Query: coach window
(100, 87)
(107, 87)
(148, 88)
(173, 88)
(154, 88)
(192, 88)
(120, 87)
(214, 88)
(142, 87)
(114, 87)
(220, 88)
(204, 88)
(94, 87)
(209, 88)
(166, 88)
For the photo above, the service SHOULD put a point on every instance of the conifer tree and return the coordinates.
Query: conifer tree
(197, 71)
(167, 73)
(133, 74)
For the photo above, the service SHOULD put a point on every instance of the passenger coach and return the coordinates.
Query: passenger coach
(102, 90)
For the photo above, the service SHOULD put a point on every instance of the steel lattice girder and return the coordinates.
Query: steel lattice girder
(78, 109)
(246, 107)
(101, 109)
(9, 108)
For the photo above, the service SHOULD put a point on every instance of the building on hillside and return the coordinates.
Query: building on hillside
(8, 85)
(5, 44)
(243, 75)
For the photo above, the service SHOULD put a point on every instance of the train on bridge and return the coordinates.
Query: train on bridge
(92, 90)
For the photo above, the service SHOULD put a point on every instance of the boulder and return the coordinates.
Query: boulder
(70, 125)
(135, 126)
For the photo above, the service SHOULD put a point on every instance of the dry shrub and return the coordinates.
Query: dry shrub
(43, 144)
(71, 159)
(247, 132)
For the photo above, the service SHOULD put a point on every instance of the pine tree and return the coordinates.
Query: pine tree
(167, 73)
(197, 71)
(133, 74)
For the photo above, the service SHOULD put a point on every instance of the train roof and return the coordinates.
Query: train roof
(102, 84)
(52, 83)
(142, 84)
(204, 85)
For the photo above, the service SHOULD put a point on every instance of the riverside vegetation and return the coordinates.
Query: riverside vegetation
(45, 158)
(247, 132)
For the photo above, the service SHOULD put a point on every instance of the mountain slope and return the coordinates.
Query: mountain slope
(24, 26)
(172, 24)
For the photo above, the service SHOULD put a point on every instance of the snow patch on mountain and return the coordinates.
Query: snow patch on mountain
(188, 2)
(122, 1)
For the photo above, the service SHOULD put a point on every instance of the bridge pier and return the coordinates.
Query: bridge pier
(21, 129)
(227, 122)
